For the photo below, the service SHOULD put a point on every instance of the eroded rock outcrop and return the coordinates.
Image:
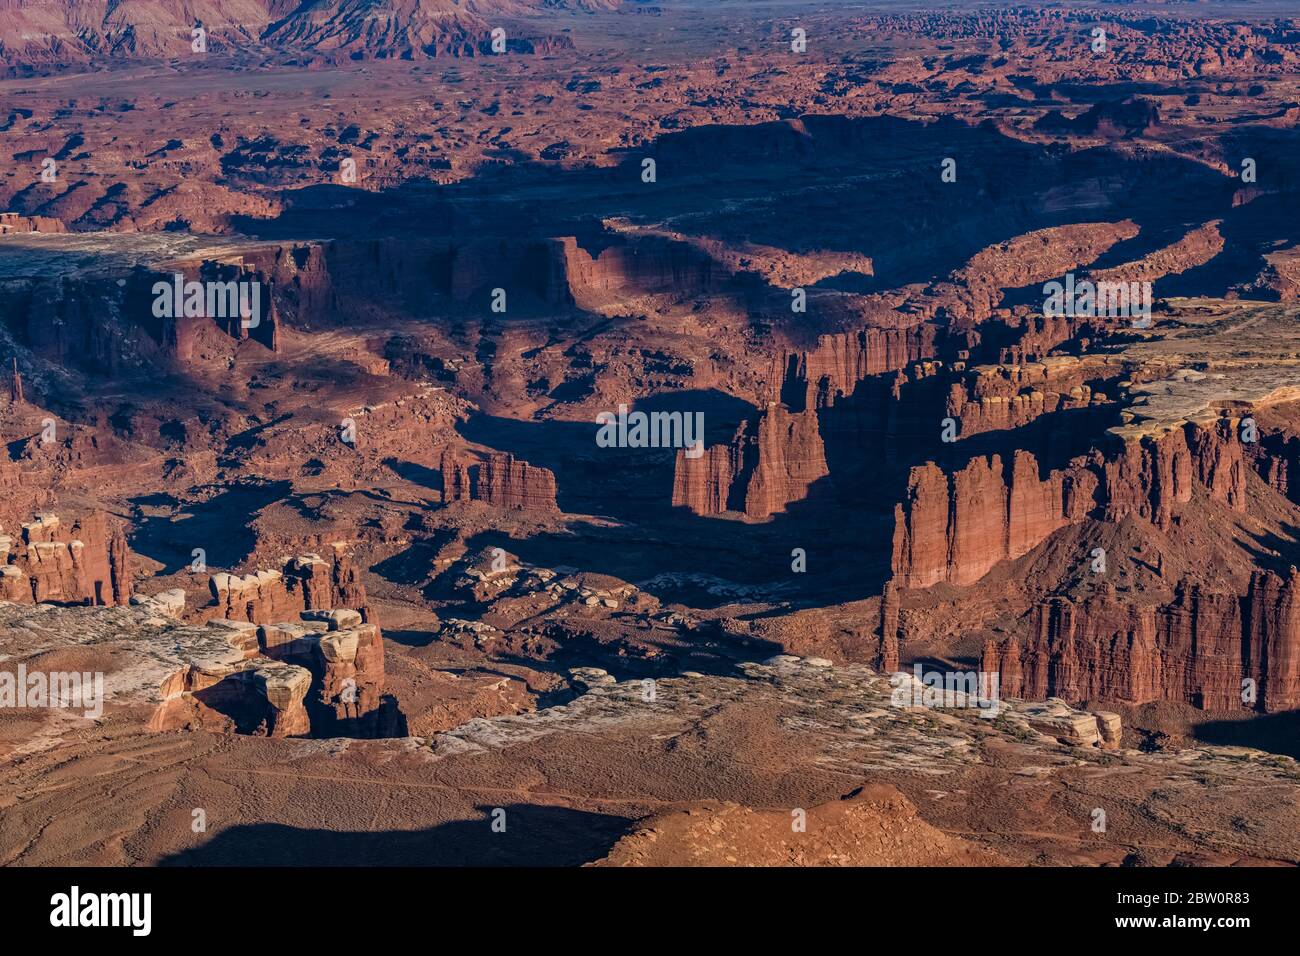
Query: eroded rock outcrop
(305, 582)
(258, 697)
(12, 223)
(818, 377)
(84, 561)
(956, 527)
(345, 657)
(992, 398)
(321, 676)
(763, 469)
(1214, 651)
(497, 478)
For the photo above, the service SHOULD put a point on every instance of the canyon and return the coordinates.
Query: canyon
(367, 533)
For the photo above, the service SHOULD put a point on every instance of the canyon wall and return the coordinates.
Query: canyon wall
(993, 398)
(955, 527)
(498, 479)
(1196, 650)
(818, 377)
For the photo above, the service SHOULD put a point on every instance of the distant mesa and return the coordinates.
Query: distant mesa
(56, 35)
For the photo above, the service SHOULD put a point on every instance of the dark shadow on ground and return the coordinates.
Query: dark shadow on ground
(220, 526)
(1276, 733)
(534, 836)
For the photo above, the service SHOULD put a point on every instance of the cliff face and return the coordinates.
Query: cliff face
(498, 479)
(345, 657)
(84, 562)
(12, 223)
(817, 378)
(993, 398)
(712, 483)
(760, 472)
(306, 582)
(1197, 650)
(956, 527)
(647, 266)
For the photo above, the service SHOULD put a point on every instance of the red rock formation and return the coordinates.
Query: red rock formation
(1196, 650)
(260, 697)
(645, 266)
(1197, 247)
(306, 582)
(887, 654)
(955, 528)
(761, 472)
(790, 459)
(349, 662)
(11, 222)
(992, 398)
(1272, 618)
(498, 479)
(817, 378)
(84, 562)
(1032, 258)
(322, 675)
(708, 484)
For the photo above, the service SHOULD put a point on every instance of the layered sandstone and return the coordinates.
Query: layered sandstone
(627, 270)
(1006, 396)
(1212, 650)
(956, 527)
(817, 378)
(887, 653)
(11, 222)
(345, 657)
(258, 697)
(305, 582)
(321, 676)
(761, 472)
(498, 479)
(84, 561)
